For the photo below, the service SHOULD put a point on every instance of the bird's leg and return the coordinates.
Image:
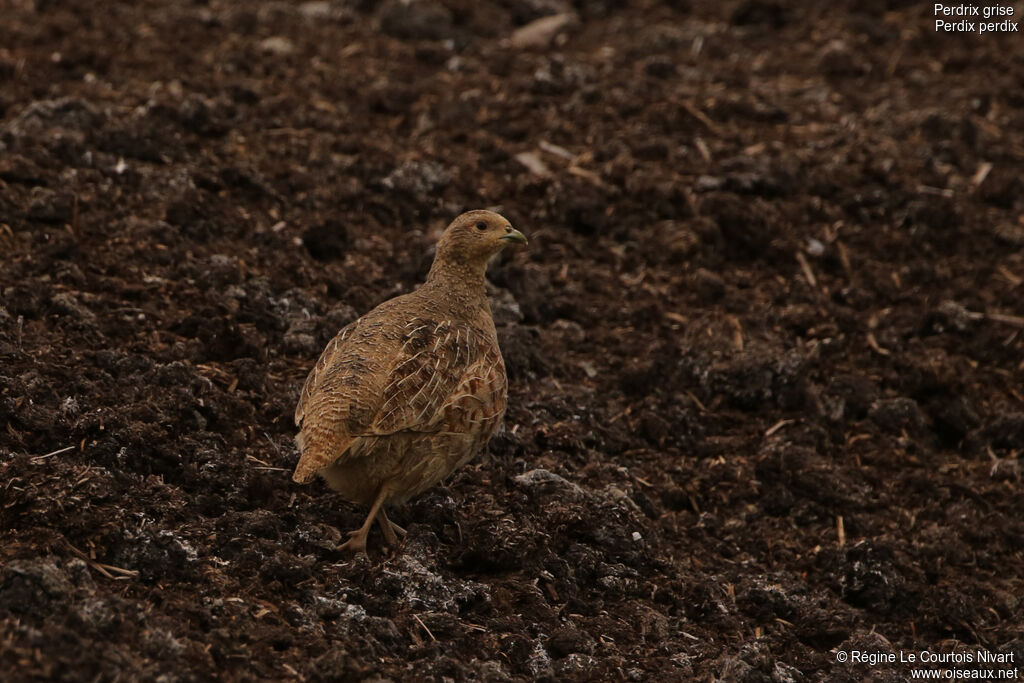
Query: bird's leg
(357, 541)
(389, 528)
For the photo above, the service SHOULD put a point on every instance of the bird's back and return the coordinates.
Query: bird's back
(415, 365)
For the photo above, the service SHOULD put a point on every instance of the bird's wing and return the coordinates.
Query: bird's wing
(428, 369)
(478, 402)
(376, 379)
(321, 370)
(319, 440)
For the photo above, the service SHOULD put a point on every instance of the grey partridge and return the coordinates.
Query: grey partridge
(411, 391)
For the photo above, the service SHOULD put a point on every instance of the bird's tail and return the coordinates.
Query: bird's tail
(315, 455)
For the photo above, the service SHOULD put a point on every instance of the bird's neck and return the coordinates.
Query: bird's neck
(463, 283)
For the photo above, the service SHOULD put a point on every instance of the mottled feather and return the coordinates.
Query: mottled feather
(413, 389)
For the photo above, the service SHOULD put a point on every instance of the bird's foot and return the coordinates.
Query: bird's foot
(392, 532)
(356, 542)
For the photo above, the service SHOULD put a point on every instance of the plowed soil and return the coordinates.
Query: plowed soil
(765, 348)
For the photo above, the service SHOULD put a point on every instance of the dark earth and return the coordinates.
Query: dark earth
(766, 348)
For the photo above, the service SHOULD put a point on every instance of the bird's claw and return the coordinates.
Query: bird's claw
(356, 542)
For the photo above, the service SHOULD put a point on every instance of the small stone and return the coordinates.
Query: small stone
(66, 304)
(540, 32)
(315, 10)
(418, 177)
(277, 45)
(547, 481)
(815, 247)
(533, 163)
(896, 414)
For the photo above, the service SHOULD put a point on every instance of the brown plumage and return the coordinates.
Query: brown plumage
(410, 392)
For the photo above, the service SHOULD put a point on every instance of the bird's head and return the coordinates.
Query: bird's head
(474, 237)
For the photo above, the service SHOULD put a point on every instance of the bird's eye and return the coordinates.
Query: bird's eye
(481, 225)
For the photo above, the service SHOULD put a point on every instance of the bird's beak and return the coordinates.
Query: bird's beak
(514, 236)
